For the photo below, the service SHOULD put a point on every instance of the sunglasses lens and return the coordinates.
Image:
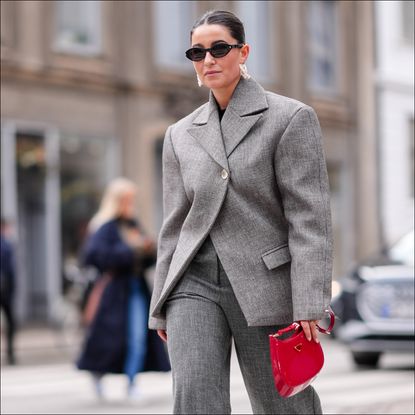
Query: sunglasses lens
(195, 54)
(218, 51)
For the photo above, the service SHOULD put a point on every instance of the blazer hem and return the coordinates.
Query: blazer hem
(157, 323)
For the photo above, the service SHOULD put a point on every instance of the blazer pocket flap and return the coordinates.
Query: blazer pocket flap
(276, 256)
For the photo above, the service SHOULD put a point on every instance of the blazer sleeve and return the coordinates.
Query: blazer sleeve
(302, 178)
(175, 209)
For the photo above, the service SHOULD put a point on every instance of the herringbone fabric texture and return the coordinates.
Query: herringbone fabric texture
(257, 183)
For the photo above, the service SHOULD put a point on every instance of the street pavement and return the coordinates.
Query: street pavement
(46, 381)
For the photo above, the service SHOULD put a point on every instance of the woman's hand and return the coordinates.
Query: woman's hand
(310, 329)
(133, 237)
(162, 334)
(141, 243)
(149, 246)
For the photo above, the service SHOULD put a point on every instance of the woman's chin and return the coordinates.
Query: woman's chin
(218, 83)
(214, 83)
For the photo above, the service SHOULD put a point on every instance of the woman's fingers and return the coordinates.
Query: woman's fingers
(314, 331)
(162, 334)
(310, 330)
(306, 327)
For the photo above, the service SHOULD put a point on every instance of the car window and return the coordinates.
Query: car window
(403, 250)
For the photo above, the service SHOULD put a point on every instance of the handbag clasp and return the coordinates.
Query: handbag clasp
(298, 347)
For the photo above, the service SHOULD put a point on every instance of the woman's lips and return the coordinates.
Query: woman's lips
(210, 73)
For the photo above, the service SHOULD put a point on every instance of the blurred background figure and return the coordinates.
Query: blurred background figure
(7, 287)
(117, 338)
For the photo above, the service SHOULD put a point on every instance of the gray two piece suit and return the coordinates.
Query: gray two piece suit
(254, 186)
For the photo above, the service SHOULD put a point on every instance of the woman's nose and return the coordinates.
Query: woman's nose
(209, 58)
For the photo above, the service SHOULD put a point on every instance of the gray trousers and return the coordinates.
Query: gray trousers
(203, 316)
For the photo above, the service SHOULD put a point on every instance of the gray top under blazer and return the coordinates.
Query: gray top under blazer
(257, 183)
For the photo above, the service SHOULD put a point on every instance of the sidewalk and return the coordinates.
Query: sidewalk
(47, 354)
(42, 344)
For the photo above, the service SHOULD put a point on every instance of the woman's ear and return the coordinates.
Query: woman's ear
(244, 53)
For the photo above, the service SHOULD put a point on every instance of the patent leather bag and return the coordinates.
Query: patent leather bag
(296, 361)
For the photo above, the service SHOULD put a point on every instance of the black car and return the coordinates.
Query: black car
(375, 304)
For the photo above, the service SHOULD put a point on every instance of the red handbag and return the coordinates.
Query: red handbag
(296, 361)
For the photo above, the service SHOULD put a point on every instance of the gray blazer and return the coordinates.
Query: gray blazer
(257, 183)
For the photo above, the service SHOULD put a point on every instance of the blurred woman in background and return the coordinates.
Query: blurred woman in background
(117, 338)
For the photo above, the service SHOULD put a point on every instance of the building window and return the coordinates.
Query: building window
(31, 169)
(78, 27)
(258, 18)
(322, 46)
(8, 23)
(83, 176)
(407, 11)
(173, 21)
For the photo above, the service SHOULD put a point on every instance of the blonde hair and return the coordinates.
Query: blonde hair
(110, 202)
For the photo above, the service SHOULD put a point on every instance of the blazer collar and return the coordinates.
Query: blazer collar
(248, 98)
(245, 108)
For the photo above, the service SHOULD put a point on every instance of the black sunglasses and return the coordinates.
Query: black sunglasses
(217, 51)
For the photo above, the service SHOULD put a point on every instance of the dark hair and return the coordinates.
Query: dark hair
(223, 18)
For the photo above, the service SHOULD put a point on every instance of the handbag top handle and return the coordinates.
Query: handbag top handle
(297, 326)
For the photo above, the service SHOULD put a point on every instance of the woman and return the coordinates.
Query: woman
(118, 340)
(246, 244)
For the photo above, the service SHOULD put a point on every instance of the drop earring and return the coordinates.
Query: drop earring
(244, 71)
(199, 81)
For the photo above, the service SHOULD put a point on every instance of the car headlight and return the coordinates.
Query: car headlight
(386, 300)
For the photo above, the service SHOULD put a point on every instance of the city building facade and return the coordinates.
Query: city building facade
(394, 83)
(88, 89)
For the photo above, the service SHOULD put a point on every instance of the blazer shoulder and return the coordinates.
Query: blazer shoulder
(285, 107)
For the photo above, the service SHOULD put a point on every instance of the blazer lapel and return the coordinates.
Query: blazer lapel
(244, 110)
(235, 128)
(219, 139)
(208, 133)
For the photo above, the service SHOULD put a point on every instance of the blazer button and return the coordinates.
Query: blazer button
(224, 174)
